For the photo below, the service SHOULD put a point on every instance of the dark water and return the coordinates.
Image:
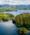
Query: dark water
(28, 33)
(8, 28)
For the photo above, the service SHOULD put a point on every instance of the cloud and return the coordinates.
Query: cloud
(14, 2)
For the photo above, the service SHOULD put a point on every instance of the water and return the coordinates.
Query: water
(28, 33)
(8, 28)
(15, 13)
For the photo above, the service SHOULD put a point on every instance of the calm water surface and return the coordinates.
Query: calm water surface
(8, 28)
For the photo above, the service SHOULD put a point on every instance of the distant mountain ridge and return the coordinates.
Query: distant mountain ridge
(23, 7)
(17, 6)
(5, 5)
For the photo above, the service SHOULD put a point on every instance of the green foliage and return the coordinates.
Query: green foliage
(23, 29)
(6, 16)
(23, 20)
(2, 9)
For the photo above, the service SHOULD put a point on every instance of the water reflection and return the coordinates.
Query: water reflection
(8, 28)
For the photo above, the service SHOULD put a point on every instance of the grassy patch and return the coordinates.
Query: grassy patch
(6, 16)
(2, 9)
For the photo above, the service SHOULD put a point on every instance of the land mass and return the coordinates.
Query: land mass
(23, 21)
(7, 7)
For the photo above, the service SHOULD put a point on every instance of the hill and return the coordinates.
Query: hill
(23, 20)
(23, 7)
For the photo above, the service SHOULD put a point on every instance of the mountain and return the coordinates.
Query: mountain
(23, 6)
(17, 6)
(7, 5)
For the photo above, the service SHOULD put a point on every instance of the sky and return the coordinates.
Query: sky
(15, 2)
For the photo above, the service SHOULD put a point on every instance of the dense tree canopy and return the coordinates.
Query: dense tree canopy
(23, 20)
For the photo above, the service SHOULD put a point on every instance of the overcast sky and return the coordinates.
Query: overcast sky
(14, 2)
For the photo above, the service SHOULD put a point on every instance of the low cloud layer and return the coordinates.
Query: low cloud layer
(14, 2)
